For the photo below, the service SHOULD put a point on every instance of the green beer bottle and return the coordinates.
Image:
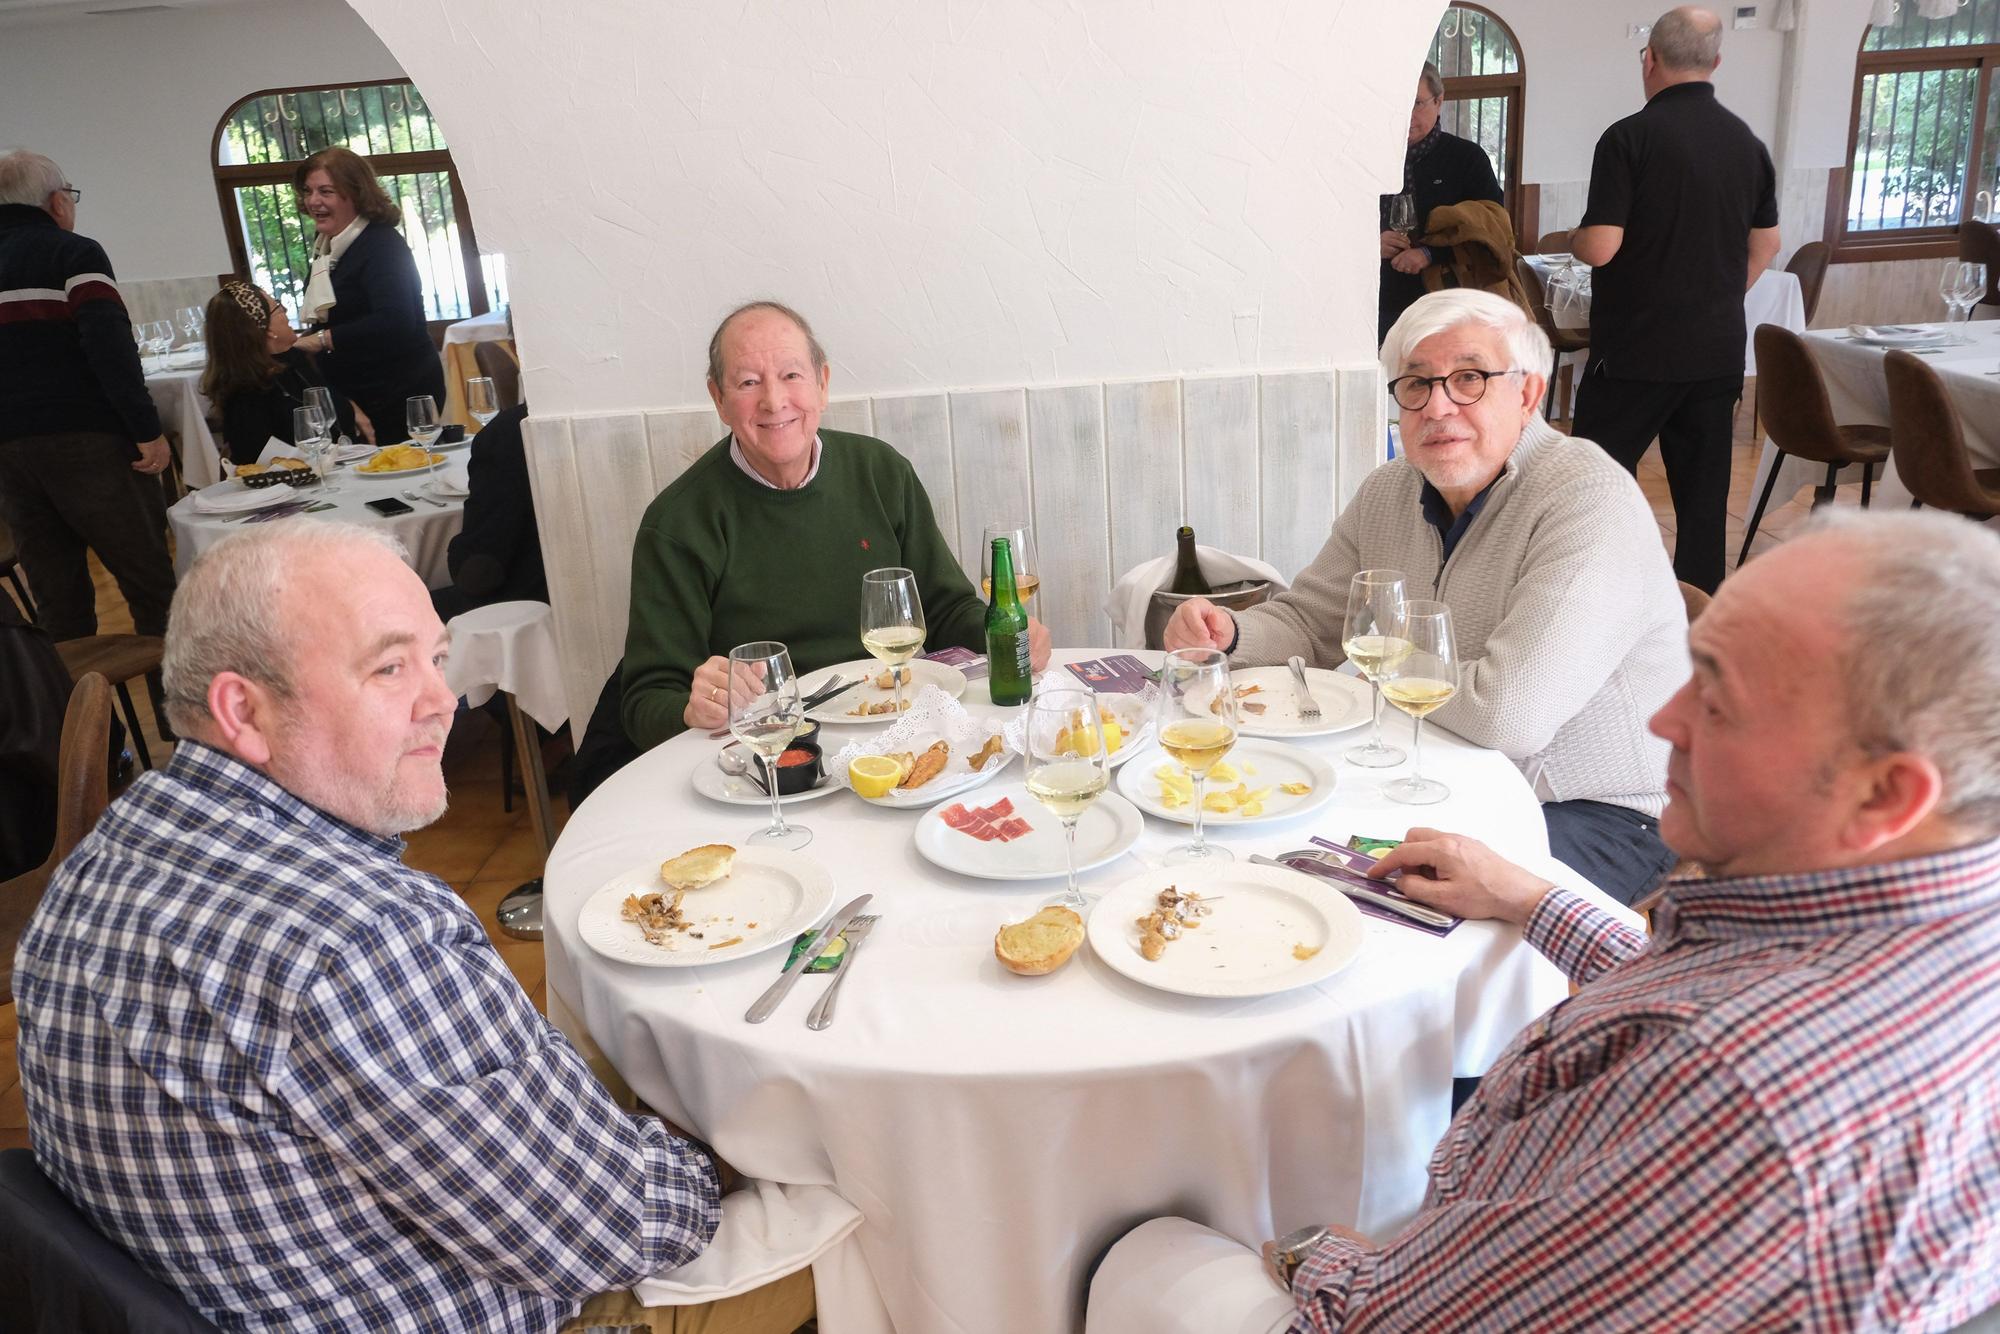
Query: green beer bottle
(1007, 672)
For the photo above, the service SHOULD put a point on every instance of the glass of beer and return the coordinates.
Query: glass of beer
(1027, 576)
(1196, 714)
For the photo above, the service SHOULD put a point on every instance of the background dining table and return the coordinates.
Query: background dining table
(1775, 298)
(997, 1132)
(174, 381)
(1857, 387)
(426, 531)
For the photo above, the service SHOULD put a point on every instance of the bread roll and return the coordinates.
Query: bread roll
(698, 866)
(1041, 944)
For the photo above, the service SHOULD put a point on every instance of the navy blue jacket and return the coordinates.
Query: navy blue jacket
(382, 351)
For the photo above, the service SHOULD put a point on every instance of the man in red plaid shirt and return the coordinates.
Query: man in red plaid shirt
(1781, 1111)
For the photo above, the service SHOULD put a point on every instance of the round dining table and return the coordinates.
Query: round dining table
(998, 1132)
(437, 512)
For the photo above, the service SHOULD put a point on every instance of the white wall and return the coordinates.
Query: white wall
(128, 105)
(958, 194)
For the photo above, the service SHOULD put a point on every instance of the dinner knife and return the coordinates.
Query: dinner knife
(772, 997)
(1416, 912)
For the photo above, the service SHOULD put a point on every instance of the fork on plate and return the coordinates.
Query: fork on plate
(856, 932)
(1308, 710)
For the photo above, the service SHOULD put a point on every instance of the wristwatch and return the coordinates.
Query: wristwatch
(1288, 1252)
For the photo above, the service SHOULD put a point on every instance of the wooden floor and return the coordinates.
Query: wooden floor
(483, 852)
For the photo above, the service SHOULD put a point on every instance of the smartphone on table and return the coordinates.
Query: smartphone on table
(388, 505)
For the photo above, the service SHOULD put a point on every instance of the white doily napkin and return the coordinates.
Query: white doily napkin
(234, 498)
(931, 716)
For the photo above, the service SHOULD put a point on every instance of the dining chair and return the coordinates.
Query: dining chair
(1980, 242)
(59, 1274)
(1695, 600)
(120, 658)
(1562, 341)
(1553, 243)
(1802, 425)
(82, 792)
(1808, 265)
(10, 566)
(1929, 443)
(497, 362)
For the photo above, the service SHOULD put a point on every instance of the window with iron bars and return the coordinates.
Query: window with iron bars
(1925, 148)
(258, 145)
(1484, 88)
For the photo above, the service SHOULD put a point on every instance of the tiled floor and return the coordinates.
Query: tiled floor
(484, 852)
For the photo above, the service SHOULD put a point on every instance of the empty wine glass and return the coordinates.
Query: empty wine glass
(161, 336)
(481, 399)
(1371, 634)
(892, 622)
(1067, 767)
(319, 399)
(1196, 713)
(1419, 682)
(1021, 542)
(765, 713)
(1971, 287)
(1403, 214)
(421, 416)
(193, 323)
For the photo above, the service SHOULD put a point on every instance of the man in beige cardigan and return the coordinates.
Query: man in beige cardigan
(1570, 628)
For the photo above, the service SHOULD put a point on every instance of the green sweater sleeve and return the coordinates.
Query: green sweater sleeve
(953, 613)
(666, 636)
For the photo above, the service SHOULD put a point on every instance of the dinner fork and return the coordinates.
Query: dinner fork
(1308, 711)
(857, 931)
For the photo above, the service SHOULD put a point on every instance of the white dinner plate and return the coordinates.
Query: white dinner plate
(1895, 335)
(1106, 831)
(944, 785)
(1274, 763)
(1250, 942)
(711, 782)
(768, 897)
(863, 672)
(1343, 701)
(399, 472)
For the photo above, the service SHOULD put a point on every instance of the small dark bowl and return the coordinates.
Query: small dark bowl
(808, 735)
(796, 778)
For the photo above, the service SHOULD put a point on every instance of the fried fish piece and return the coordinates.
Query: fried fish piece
(993, 748)
(886, 678)
(928, 766)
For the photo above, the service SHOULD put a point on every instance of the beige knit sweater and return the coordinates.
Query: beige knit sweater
(1571, 630)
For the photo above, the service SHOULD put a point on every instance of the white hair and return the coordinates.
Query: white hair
(1433, 313)
(29, 178)
(229, 613)
(1922, 659)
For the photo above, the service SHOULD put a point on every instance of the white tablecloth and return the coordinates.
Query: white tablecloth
(176, 392)
(488, 328)
(426, 530)
(1859, 392)
(998, 1132)
(1775, 298)
(511, 645)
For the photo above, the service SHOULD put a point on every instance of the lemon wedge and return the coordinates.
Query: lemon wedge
(874, 776)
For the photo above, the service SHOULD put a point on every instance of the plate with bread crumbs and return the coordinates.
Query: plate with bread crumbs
(1227, 930)
(708, 904)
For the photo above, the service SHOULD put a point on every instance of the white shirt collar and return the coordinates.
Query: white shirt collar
(736, 456)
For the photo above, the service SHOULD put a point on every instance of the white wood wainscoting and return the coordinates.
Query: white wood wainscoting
(1104, 473)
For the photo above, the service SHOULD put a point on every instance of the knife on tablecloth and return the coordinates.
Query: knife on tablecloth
(770, 1000)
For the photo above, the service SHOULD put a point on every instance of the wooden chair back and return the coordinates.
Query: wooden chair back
(1928, 442)
(1695, 600)
(1792, 400)
(1808, 265)
(1980, 242)
(498, 363)
(1553, 243)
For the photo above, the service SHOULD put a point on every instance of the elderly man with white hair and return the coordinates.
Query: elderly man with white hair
(283, 1070)
(1781, 1110)
(1569, 624)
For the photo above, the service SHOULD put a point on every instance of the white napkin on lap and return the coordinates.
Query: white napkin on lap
(767, 1232)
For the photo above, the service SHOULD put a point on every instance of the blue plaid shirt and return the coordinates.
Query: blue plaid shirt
(291, 1076)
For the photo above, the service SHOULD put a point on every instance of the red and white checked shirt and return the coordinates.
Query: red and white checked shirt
(1782, 1112)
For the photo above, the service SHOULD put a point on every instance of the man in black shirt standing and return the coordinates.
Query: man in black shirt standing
(1682, 218)
(1438, 169)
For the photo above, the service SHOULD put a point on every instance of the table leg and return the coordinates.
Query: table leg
(528, 751)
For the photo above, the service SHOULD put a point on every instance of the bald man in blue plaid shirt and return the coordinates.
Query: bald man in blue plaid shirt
(286, 1072)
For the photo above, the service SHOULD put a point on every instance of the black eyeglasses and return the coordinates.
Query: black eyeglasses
(75, 195)
(1464, 388)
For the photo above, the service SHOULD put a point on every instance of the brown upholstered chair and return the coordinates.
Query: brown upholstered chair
(1929, 444)
(1695, 600)
(498, 363)
(118, 659)
(10, 566)
(82, 791)
(1564, 341)
(1980, 242)
(1791, 396)
(1808, 265)
(1553, 243)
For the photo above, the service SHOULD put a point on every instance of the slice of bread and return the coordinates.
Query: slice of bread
(698, 866)
(1041, 944)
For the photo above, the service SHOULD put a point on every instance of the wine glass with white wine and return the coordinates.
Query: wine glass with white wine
(1021, 542)
(482, 400)
(1196, 713)
(892, 622)
(1418, 683)
(1067, 767)
(765, 713)
(1371, 635)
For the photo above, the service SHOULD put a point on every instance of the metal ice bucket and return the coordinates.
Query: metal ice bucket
(1234, 597)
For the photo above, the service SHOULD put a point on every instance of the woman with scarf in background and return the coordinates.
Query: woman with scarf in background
(1438, 169)
(364, 296)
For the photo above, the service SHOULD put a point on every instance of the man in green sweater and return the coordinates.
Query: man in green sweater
(768, 534)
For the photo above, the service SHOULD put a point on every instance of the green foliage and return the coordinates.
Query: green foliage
(1915, 128)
